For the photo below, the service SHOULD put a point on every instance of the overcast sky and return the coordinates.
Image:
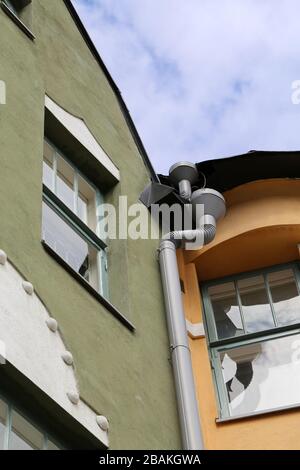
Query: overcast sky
(202, 78)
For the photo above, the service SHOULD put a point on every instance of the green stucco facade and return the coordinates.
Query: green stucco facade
(125, 376)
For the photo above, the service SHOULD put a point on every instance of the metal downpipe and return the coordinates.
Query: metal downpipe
(214, 206)
(179, 344)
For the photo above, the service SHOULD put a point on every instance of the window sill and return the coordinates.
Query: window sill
(116, 313)
(17, 21)
(258, 413)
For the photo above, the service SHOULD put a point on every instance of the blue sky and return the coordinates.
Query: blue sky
(202, 78)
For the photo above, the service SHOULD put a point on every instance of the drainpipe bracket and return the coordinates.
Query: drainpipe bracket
(172, 347)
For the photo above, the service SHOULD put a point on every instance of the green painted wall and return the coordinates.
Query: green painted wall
(123, 375)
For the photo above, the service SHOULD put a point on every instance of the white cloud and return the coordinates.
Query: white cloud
(202, 78)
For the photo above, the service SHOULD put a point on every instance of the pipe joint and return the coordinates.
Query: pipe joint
(185, 189)
(203, 235)
(167, 243)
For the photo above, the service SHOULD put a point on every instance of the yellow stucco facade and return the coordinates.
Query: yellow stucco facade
(261, 229)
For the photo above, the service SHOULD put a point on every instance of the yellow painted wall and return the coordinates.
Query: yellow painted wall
(261, 228)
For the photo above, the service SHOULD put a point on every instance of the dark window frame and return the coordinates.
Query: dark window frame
(215, 345)
(67, 215)
(86, 233)
(13, 407)
(16, 17)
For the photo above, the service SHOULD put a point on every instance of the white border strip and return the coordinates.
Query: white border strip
(195, 330)
(77, 127)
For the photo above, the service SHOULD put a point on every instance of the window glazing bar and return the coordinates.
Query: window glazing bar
(8, 426)
(55, 173)
(297, 278)
(240, 306)
(76, 192)
(220, 384)
(68, 216)
(267, 286)
(256, 337)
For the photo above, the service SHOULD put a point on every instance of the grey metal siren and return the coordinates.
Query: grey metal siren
(184, 175)
(210, 204)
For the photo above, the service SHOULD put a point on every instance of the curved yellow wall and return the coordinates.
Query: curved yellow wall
(261, 228)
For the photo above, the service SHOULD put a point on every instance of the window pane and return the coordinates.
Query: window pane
(86, 203)
(226, 310)
(65, 183)
(262, 376)
(23, 435)
(3, 418)
(285, 296)
(255, 303)
(48, 172)
(70, 246)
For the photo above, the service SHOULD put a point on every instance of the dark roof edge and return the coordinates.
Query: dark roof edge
(249, 153)
(116, 90)
(224, 174)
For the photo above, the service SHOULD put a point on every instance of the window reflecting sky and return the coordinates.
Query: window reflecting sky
(262, 376)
